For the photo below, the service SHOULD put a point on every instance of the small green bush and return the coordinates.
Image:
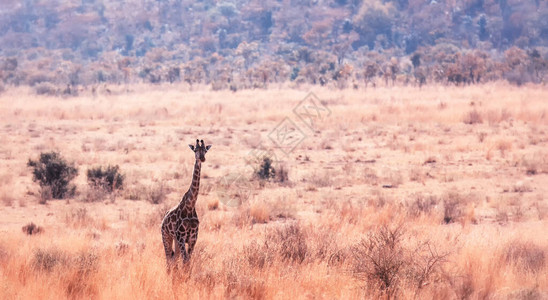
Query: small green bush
(54, 173)
(266, 171)
(108, 179)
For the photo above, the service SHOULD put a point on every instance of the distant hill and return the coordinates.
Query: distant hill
(251, 44)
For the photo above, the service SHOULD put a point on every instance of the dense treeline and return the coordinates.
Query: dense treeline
(251, 44)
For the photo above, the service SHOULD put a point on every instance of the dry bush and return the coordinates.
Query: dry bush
(239, 281)
(324, 179)
(387, 265)
(324, 244)
(473, 117)
(156, 193)
(421, 204)
(259, 212)
(289, 243)
(417, 174)
(242, 216)
(74, 271)
(426, 265)
(525, 256)
(463, 285)
(94, 194)
(495, 117)
(256, 255)
(282, 175)
(32, 228)
(453, 206)
(379, 259)
(107, 178)
(535, 163)
(136, 192)
(78, 217)
(285, 244)
(47, 260)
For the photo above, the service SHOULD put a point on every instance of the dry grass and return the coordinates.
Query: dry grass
(465, 179)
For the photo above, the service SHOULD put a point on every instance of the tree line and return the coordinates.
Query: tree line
(57, 46)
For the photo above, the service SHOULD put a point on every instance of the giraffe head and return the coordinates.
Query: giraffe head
(199, 150)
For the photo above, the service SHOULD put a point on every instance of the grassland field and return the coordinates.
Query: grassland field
(401, 192)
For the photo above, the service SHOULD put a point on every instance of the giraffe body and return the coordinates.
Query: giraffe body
(180, 224)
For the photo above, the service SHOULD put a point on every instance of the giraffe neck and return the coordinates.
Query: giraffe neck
(194, 185)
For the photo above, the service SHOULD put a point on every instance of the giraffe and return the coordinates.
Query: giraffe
(180, 224)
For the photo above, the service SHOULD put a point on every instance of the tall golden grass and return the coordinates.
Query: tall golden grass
(432, 193)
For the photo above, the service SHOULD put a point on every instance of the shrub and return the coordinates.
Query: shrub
(48, 259)
(156, 193)
(473, 117)
(108, 179)
(386, 263)
(266, 171)
(526, 256)
(31, 229)
(289, 242)
(379, 259)
(421, 204)
(52, 172)
(453, 207)
(45, 88)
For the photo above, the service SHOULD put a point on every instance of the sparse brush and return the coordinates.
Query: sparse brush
(535, 163)
(48, 259)
(78, 217)
(289, 243)
(107, 178)
(259, 212)
(323, 179)
(387, 264)
(525, 256)
(156, 193)
(53, 172)
(453, 206)
(379, 258)
(473, 117)
(421, 204)
(256, 255)
(32, 229)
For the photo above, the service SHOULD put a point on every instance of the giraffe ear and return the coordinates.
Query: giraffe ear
(208, 147)
(191, 147)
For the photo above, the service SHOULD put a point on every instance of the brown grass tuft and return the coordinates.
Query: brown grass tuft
(525, 256)
(32, 229)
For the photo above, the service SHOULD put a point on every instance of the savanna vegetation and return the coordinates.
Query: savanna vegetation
(430, 193)
(66, 47)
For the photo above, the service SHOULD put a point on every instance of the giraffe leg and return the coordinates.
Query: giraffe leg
(167, 239)
(193, 237)
(181, 239)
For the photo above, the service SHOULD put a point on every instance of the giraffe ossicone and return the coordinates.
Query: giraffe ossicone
(180, 224)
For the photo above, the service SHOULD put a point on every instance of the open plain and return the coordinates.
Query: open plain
(401, 192)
